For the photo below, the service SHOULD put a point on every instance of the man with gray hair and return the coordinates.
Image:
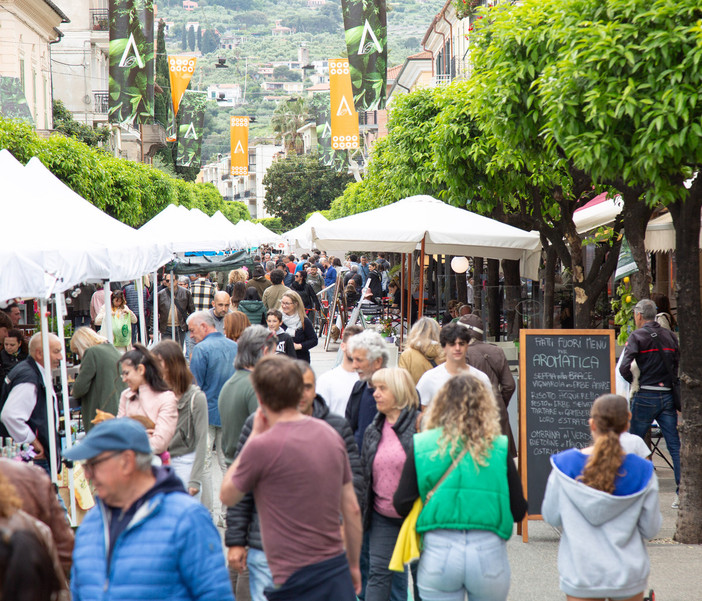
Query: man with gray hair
(168, 547)
(368, 355)
(212, 364)
(657, 355)
(23, 409)
(237, 400)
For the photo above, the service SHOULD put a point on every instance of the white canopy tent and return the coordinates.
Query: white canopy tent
(69, 241)
(267, 236)
(660, 234)
(185, 230)
(300, 238)
(222, 226)
(434, 227)
(600, 211)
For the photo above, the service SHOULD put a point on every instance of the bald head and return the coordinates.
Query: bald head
(221, 304)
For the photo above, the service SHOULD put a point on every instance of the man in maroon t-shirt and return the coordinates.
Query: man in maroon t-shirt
(298, 469)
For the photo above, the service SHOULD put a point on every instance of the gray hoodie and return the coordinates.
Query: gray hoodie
(602, 552)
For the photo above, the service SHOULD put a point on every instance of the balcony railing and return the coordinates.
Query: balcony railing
(102, 102)
(368, 118)
(100, 19)
(442, 80)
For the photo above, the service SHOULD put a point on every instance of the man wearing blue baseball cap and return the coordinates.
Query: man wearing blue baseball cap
(146, 538)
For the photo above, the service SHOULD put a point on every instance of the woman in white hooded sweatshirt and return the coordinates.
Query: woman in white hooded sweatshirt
(606, 502)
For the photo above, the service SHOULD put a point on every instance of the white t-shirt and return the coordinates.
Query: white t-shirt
(335, 388)
(432, 380)
(634, 444)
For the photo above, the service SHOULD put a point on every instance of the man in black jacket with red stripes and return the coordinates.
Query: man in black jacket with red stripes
(657, 355)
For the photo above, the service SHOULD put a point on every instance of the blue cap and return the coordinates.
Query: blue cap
(120, 434)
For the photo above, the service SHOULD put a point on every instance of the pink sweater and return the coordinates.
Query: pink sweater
(160, 407)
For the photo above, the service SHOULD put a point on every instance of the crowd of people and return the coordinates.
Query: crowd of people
(224, 423)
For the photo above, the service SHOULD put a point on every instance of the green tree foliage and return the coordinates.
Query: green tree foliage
(68, 126)
(210, 41)
(131, 192)
(298, 185)
(191, 37)
(289, 116)
(283, 73)
(198, 39)
(622, 116)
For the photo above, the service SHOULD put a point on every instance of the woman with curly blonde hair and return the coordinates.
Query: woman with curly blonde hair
(606, 502)
(461, 469)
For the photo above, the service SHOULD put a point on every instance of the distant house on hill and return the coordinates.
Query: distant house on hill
(315, 3)
(280, 30)
(190, 5)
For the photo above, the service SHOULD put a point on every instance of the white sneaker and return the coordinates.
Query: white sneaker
(676, 502)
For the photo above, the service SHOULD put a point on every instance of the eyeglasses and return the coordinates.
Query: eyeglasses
(89, 466)
(284, 303)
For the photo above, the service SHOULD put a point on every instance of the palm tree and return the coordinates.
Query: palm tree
(288, 117)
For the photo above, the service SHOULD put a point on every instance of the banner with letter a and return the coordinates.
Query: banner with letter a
(239, 128)
(344, 118)
(131, 61)
(180, 70)
(365, 22)
(338, 159)
(190, 121)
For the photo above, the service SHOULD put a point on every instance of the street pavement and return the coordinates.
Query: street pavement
(676, 570)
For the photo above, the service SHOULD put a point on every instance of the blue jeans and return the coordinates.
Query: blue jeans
(647, 405)
(454, 562)
(382, 583)
(260, 576)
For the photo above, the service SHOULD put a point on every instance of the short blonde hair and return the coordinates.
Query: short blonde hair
(83, 339)
(423, 335)
(401, 385)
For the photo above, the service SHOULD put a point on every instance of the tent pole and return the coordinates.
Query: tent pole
(68, 431)
(139, 283)
(402, 300)
(421, 278)
(107, 295)
(154, 287)
(410, 258)
(175, 311)
(48, 381)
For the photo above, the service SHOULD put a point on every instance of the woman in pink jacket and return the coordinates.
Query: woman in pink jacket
(147, 395)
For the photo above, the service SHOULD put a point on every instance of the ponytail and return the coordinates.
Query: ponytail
(610, 414)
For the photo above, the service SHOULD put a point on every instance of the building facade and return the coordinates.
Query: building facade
(29, 30)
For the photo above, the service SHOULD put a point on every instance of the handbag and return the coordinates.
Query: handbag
(675, 380)
(407, 546)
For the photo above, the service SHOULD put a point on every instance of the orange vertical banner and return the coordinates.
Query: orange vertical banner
(239, 128)
(180, 71)
(344, 118)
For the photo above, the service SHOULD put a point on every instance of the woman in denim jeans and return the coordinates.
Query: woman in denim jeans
(469, 517)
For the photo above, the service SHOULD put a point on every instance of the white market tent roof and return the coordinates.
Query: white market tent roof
(69, 240)
(600, 211)
(300, 238)
(660, 234)
(184, 230)
(401, 226)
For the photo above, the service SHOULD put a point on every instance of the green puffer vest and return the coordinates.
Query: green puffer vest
(472, 497)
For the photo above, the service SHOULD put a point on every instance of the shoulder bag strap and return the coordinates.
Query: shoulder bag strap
(456, 461)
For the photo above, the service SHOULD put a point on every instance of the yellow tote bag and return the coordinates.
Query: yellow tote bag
(407, 545)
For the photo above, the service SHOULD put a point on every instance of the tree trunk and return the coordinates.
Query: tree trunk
(549, 286)
(493, 298)
(686, 218)
(478, 268)
(513, 295)
(636, 214)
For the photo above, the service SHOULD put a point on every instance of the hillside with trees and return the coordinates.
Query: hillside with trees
(249, 24)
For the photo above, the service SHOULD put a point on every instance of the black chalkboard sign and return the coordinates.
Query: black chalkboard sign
(561, 373)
